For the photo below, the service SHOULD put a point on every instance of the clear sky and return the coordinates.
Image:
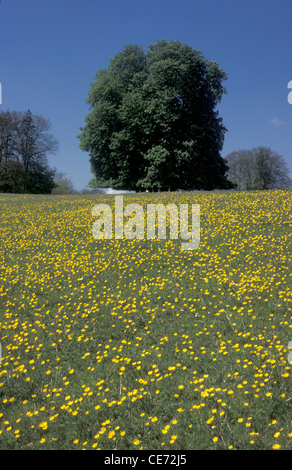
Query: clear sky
(50, 51)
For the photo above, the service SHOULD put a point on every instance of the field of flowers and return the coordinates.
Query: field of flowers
(136, 344)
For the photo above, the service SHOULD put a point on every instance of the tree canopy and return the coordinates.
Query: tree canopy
(153, 122)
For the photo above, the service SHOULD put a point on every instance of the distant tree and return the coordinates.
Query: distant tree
(63, 185)
(33, 142)
(24, 139)
(153, 121)
(271, 170)
(258, 169)
(241, 169)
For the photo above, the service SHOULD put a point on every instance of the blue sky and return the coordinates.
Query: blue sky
(50, 51)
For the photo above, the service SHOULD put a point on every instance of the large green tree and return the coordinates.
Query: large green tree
(153, 121)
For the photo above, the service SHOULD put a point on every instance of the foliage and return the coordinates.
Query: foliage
(257, 169)
(97, 183)
(11, 176)
(63, 185)
(135, 344)
(153, 120)
(24, 145)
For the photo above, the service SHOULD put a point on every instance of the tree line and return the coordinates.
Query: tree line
(24, 145)
(153, 125)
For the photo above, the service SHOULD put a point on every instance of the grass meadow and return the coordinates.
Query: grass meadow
(136, 344)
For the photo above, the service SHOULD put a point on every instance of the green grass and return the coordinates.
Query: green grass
(119, 344)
